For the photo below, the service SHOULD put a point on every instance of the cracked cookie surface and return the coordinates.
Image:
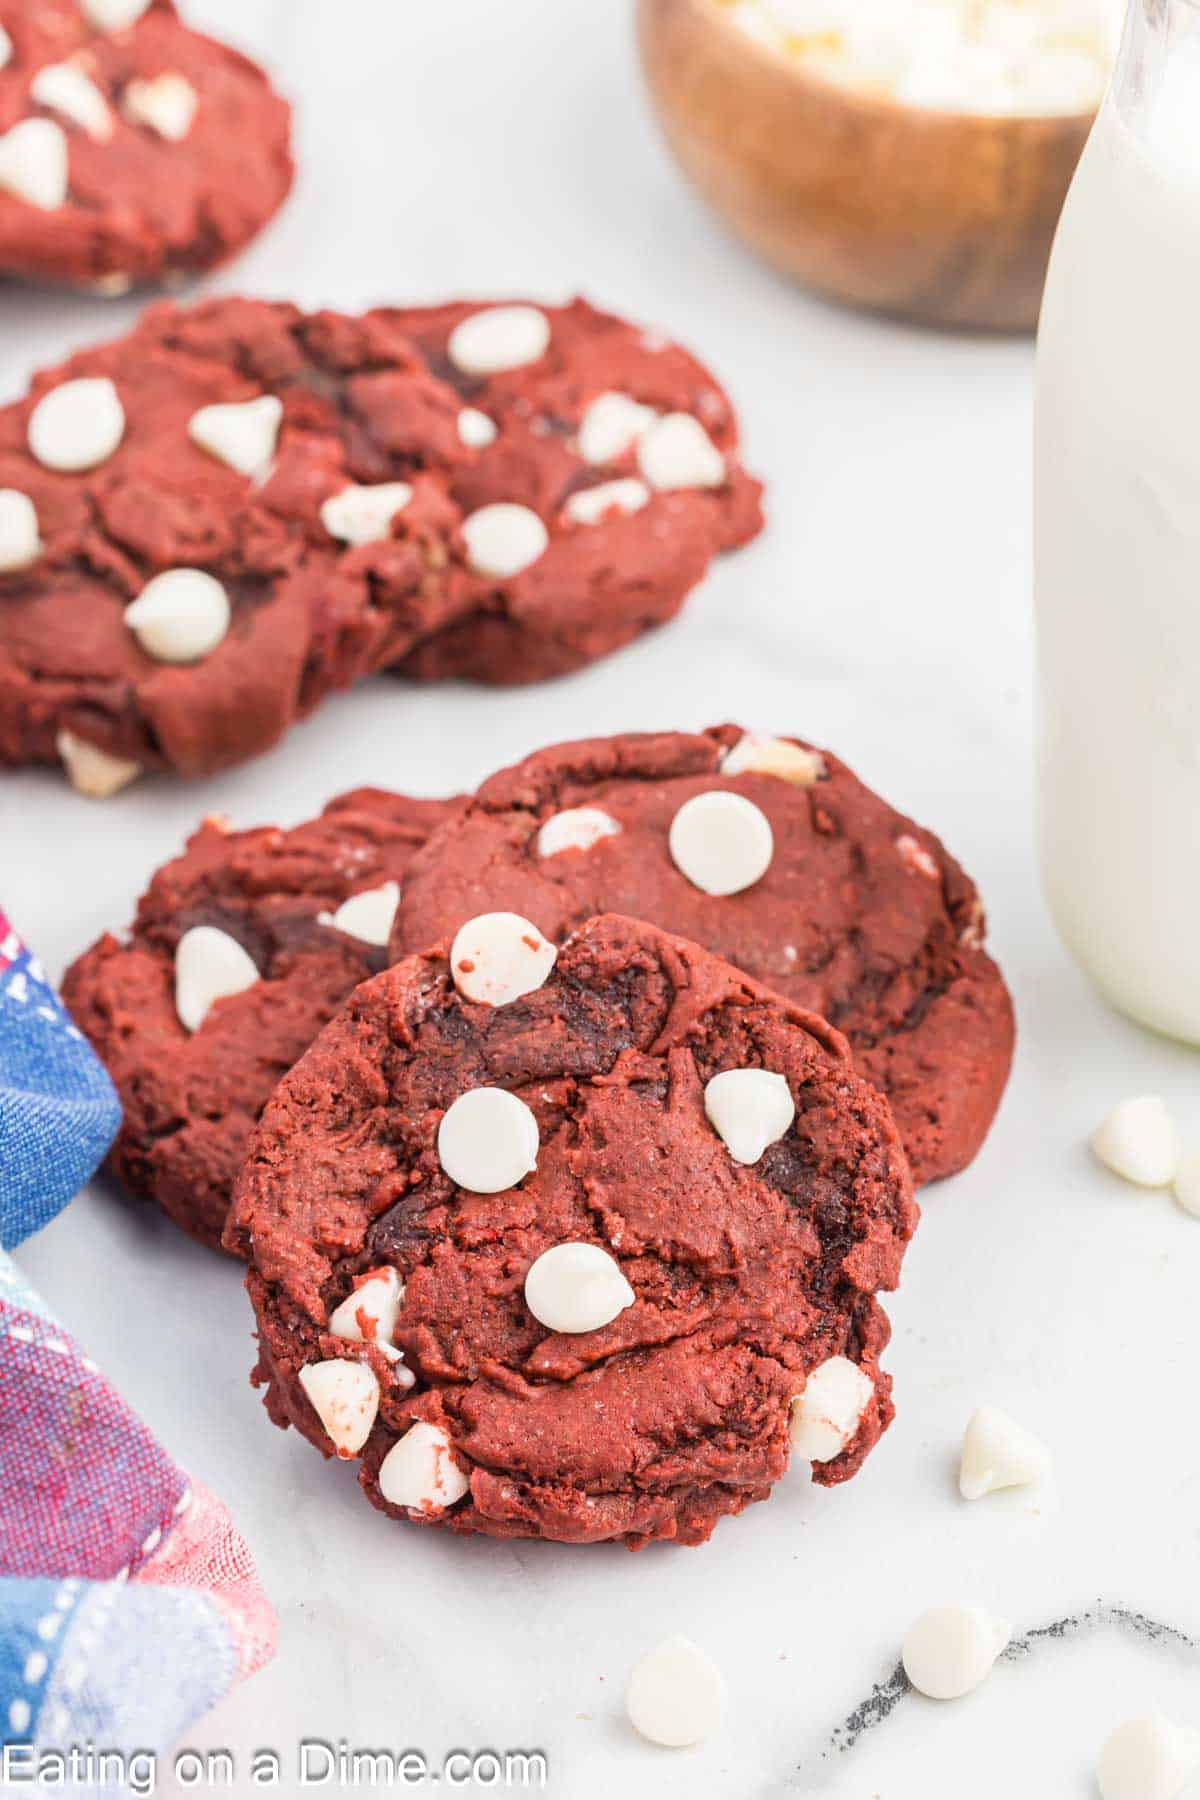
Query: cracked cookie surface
(191, 1099)
(744, 1279)
(861, 915)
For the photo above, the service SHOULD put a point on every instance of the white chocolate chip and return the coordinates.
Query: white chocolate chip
(209, 966)
(65, 89)
(33, 163)
(951, 1649)
(758, 754)
(345, 1397)
(368, 915)
(375, 1303)
(93, 771)
(576, 1287)
(721, 841)
(180, 615)
(503, 337)
(488, 1140)
(113, 15)
(363, 515)
(499, 956)
(826, 1416)
(1187, 1185)
(167, 104)
(677, 452)
(1138, 1141)
(675, 1695)
(420, 1471)
(916, 857)
(998, 1453)
(20, 544)
(1148, 1759)
(578, 828)
(750, 1109)
(241, 433)
(6, 48)
(77, 425)
(475, 429)
(589, 505)
(611, 425)
(502, 539)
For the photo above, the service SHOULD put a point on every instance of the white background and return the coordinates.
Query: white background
(467, 146)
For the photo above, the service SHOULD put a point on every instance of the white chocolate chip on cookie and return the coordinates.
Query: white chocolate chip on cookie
(66, 90)
(576, 1287)
(499, 956)
(488, 1140)
(209, 966)
(77, 424)
(503, 539)
(749, 1109)
(167, 105)
(240, 433)
(93, 771)
(500, 338)
(576, 828)
(826, 1415)
(33, 163)
(758, 754)
(363, 515)
(475, 429)
(420, 1471)
(610, 426)
(20, 544)
(589, 505)
(345, 1397)
(113, 15)
(677, 452)
(367, 916)
(721, 842)
(180, 615)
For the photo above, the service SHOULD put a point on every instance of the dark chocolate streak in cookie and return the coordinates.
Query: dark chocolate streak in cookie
(862, 916)
(747, 1278)
(191, 1101)
(366, 401)
(140, 207)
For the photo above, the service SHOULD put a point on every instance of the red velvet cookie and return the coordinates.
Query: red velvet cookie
(208, 525)
(242, 949)
(776, 857)
(131, 149)
(570, 1247)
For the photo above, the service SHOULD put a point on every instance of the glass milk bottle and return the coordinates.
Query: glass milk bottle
(1118, 536)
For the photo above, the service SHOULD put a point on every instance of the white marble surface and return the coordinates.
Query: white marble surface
(469, 146)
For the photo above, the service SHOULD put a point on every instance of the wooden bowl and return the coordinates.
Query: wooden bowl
(940, 217)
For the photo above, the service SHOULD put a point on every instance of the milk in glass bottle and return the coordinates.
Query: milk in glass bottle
(1118, 536)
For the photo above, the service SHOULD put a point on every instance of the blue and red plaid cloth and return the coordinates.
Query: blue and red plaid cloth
(128, 1603)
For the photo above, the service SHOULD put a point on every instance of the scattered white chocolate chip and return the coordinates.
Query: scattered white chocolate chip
(20, 544)
(589, 505)
(209, 966)
(1148, 1759)
(33, 163)
(722, 842)
(65, 89)
(677, 452)
(180, 615)
(826, 1416)
(420, 1470)
(758, 754)
(951, 1649)
(577, 828)
(6, 48)
(77, 425)
(502, 337)
(367, 916)
(475, 429)
(503, 538)
(363, 515)
(1138, 1141)
(1187, 1184)
(916, 857)
(241, 433)
(499, 956)
(368, 1315)
(610, 426)
(113, 15)
(749, 1109)
(167, 104)
(93, 771)
(576, 1287)
(675, 1695)
(345, 1397)
(998, 1453)
(488, 1140)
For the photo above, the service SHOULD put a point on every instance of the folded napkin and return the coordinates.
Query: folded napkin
(128, 1603)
